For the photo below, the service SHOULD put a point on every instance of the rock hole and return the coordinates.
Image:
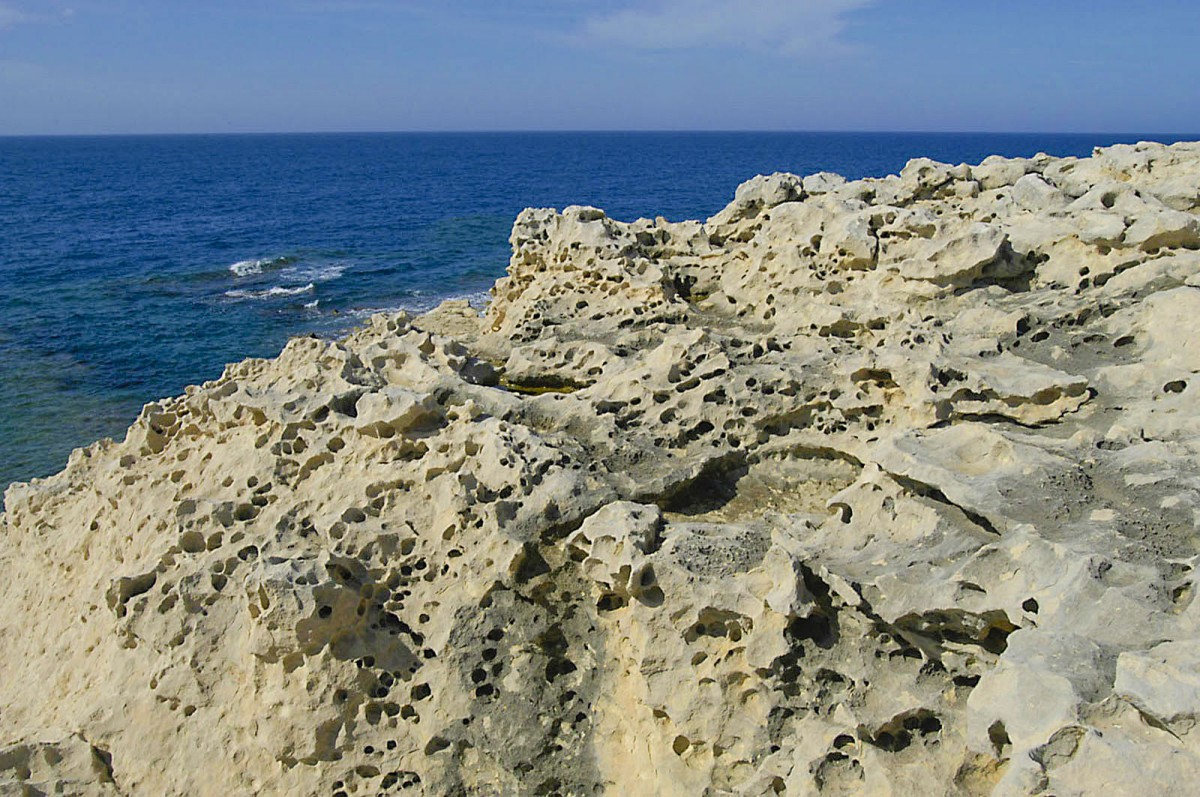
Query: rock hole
(999, 738)
(436, 745)
(528, 564)
(610, 602)
(192, 542)
(557, 667)
(929, 725)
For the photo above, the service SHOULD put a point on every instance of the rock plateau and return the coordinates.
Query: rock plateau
(878, 487)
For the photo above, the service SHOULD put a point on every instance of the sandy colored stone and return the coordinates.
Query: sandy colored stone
(888, 486)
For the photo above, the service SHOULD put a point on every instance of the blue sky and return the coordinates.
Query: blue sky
(117, 66)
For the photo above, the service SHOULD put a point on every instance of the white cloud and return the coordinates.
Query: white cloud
(13, 14)
(792, 27)
(10, 16)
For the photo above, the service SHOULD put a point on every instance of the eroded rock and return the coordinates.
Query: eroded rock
(884, 486)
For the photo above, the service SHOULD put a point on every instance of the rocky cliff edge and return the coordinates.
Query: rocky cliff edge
(887, 486)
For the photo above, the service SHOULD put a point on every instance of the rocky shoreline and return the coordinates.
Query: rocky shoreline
(887, 487)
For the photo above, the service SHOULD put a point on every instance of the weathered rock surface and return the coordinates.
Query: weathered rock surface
(887, 486)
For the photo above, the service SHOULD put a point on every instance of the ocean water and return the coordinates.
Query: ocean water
(133, 266)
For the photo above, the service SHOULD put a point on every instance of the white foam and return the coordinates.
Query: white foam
(423, 304)
(244, 268)
(270, 293)
(248, 268)
(326, 273)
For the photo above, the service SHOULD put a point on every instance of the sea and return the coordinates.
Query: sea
(132, 266)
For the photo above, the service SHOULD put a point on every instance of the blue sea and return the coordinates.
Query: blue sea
(133, 266)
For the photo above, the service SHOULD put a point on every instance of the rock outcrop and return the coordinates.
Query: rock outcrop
(886, 487)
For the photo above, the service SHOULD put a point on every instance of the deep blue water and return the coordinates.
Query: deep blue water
(128, 264)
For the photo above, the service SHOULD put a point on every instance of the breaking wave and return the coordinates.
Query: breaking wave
(272, 292)
(248, 268)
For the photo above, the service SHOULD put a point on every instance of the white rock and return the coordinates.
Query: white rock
(884, 487)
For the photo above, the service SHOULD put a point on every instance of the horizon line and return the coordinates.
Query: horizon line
(586, 131)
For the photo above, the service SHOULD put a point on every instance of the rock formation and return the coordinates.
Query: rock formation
(877, 487)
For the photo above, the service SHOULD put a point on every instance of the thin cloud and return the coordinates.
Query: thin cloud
(12, 15)
(790, 27)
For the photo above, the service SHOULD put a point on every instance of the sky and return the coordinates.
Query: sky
(202, 66)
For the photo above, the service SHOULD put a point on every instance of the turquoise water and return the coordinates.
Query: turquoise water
(133, 266)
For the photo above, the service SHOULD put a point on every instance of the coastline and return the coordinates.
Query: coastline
(112, 309)
(842, 485)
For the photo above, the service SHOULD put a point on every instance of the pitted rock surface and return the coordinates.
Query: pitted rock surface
(888, 486)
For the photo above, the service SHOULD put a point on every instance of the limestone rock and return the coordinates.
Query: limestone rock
(1163, 683)
(889, 486)
(759, 194)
